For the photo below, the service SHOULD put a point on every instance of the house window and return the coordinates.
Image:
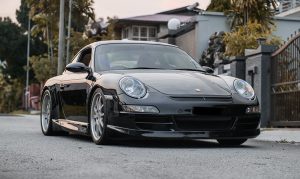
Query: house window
(145, 33)
(135, 31)
(152, 32)
(125, 33)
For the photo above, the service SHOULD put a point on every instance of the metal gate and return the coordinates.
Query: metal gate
(285, 79)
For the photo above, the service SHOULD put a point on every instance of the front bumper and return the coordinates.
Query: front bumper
(229, 134)
(193, 127)
(185, 118)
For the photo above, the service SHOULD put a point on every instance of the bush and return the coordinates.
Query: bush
(43, 68)
(245, 37)
(10, 94)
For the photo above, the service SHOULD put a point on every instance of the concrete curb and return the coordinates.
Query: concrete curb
(281, 135)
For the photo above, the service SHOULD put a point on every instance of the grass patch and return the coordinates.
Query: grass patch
(19, 112)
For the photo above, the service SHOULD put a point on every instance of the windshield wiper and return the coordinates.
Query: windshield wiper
(187, 69)
(190, 69)
(146, 68)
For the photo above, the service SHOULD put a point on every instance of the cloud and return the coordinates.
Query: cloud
(127, 8)
(8, 8)
(169, 4)
(121, 8)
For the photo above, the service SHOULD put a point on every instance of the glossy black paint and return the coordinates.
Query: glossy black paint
(181, 107)
(77, 67)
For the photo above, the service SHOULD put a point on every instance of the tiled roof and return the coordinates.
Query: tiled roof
(181, 10)
(160, 18)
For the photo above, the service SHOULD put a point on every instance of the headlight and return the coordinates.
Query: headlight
(132, 87)
(244, 89)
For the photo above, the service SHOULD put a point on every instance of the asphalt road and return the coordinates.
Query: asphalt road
(26, 153)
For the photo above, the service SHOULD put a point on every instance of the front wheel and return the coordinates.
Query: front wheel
(231, 142)
(98, 118)
(46, 114)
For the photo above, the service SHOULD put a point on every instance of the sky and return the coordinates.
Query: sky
(120, 8)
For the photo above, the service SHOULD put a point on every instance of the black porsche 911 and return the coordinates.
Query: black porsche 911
(147, 89)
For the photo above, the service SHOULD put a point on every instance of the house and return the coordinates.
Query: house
(151, 27)
(289, 8)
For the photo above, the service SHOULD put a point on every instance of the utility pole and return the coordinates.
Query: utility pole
(61, 41)
(27, 66)
(69, 32)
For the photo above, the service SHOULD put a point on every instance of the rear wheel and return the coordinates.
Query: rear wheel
(231, 142)
(98, 118)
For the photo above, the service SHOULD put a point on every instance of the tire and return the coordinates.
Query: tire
(231, 142)
(98, 118)
(47, 114)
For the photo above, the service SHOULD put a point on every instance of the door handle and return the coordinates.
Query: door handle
(62, 86)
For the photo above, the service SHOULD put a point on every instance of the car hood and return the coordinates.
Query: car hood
(182, 83)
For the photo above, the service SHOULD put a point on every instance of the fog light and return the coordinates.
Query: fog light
(140, 109)
(252, 109)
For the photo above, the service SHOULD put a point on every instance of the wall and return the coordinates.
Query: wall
(258, 75)
(285, 26)
(187, 43)
(163, 29)
(208, 23)
(211, 22)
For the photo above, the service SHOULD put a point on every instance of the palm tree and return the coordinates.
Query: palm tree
(45, 14)
(243, 11)
(240, 12)
(219, 5)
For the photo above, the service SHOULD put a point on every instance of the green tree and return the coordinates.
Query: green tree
(249, 20)
(13, 57)
(45, 15)
(240, 12)
(219, 5)
(43, 68)
(244, 11)
(22, 14)
(245, 37)
(10, 94)
(12, 50)
(81, 13)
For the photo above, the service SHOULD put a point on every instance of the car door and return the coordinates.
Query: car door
(74, 89)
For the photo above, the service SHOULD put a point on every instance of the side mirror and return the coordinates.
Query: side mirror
(208, 69)
(80, 67)
(77, 67)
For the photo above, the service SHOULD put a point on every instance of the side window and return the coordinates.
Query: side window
(75, 58)
(85, 56)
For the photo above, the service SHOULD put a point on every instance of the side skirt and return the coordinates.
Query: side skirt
(73, 126)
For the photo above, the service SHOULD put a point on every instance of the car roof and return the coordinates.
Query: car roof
(125, 41)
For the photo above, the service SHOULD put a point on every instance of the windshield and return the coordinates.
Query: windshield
(142, 56)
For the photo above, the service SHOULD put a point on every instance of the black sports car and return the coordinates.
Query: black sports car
(147, 89)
